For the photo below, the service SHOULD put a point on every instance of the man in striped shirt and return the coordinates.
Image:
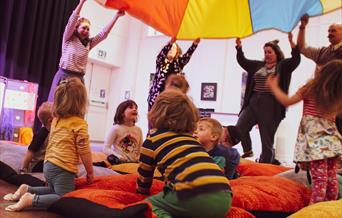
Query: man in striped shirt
(194, 185)
(323, 55)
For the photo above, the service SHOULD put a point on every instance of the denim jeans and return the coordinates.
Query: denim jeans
(59, 182)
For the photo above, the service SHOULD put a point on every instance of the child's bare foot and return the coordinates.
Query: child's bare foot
(25, 201)
(16, 196)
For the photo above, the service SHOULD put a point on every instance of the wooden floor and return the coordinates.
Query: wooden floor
(7, 188)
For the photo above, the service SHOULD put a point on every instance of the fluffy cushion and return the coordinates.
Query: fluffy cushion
(259, 169)
(114, 195)
(328, 209)
(236, 212)
(262, 193)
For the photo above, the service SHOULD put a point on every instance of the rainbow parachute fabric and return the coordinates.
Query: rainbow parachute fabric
(190, 19)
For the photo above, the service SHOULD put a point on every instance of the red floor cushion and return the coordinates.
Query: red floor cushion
(236, 212)
(265, 193)
(260, 169)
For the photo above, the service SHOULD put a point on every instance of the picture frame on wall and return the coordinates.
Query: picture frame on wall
(208, 91)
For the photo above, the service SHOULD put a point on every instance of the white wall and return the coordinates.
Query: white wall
(213, 61)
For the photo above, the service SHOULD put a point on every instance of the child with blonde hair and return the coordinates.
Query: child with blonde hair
(194, 184)
(68, 142)
(209, 133)
(318, 143)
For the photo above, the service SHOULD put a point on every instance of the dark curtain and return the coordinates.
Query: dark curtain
(30, 40)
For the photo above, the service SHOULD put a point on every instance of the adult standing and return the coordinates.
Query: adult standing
(170, 60)
(260, 106)
(76, 46)
(322, 55)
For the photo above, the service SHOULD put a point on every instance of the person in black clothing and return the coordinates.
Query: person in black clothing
(8, 174)
(260, 107)
(34, 158)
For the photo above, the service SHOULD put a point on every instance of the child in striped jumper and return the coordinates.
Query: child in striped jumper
(195, 186)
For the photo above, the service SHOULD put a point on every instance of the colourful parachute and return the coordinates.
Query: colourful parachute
(190, 19)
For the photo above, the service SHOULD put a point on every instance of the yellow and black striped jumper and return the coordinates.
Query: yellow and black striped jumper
(194, 185)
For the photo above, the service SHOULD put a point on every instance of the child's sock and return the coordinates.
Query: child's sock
(16, 196)
(25, 201)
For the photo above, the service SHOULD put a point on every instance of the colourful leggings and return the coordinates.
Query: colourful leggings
(324, 180)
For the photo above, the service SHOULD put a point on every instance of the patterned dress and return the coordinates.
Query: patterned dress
(164, 68)
(318, 137)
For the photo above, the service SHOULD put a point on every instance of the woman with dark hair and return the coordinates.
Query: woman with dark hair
(76, 46)
(260, 107)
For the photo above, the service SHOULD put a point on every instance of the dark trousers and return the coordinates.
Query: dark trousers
(263, 110)
(11, 176)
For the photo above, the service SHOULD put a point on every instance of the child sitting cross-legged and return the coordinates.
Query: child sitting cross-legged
(209, 132)
(194, 185)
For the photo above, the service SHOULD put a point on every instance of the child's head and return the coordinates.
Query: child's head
(230, 136)
(327, 88)
(173, 111)
(174, 52)
(44, 114)
(127, 111)
(177, 81)
(82, 28)
(208, 132)
(70, 99)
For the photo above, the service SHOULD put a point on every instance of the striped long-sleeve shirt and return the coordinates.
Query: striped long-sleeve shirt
(182, 161)
(74, 53)
(67, 141)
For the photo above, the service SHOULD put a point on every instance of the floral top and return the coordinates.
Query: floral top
(164, 68)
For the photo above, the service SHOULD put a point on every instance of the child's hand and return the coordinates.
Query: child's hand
(272, 81)
(90, 178)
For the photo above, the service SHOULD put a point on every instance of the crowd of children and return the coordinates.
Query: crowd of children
(195, 156)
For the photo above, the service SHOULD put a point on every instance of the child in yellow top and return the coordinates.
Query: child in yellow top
(68, 141)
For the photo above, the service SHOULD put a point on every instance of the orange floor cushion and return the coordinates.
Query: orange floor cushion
(264, 193)
(260, 169)
(236, 212)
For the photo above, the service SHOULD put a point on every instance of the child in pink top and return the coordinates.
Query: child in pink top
(76, 46)
(318, 145)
